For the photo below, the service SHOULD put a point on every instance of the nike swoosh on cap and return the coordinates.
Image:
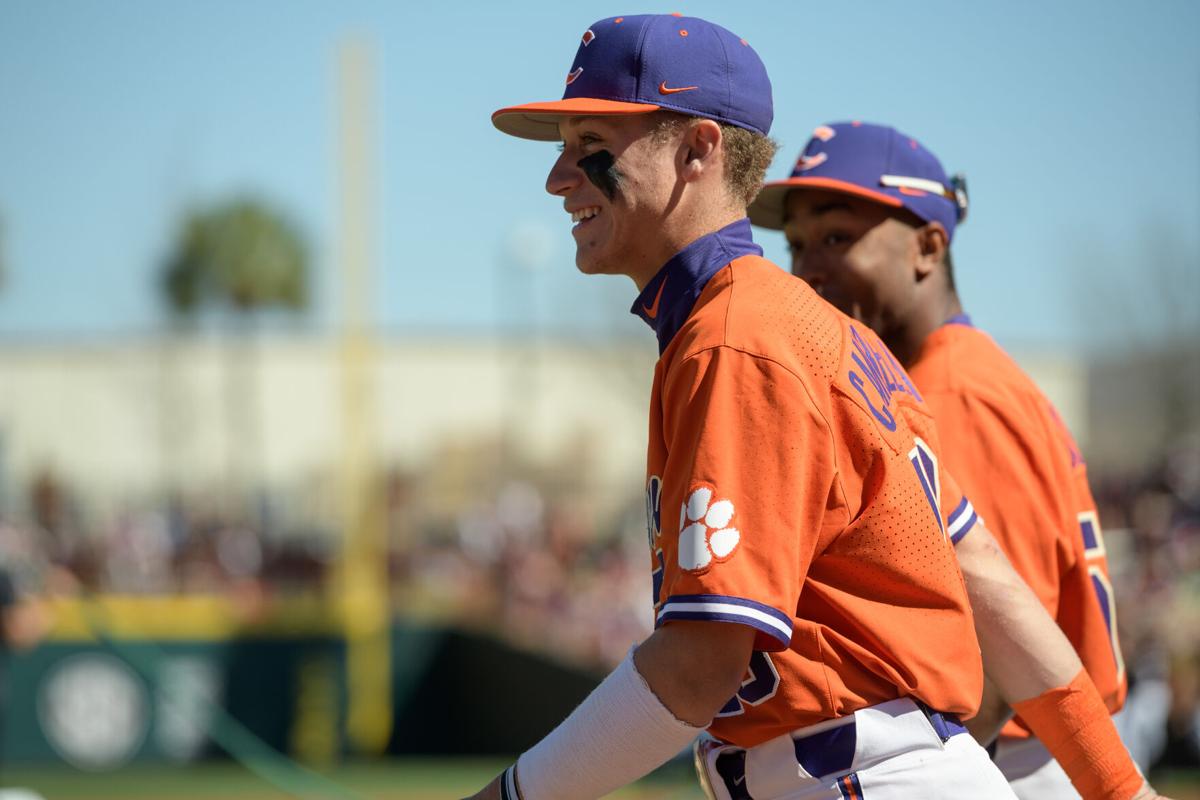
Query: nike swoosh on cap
(664, 89)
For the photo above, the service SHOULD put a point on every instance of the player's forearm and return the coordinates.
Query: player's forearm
(1024, 651)
(642, 714)
(1035, 668)
(618, 734)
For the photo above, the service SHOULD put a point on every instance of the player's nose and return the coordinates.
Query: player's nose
(564, 176)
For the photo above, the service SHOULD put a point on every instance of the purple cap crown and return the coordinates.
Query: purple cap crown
(637, 64)
(873, 161)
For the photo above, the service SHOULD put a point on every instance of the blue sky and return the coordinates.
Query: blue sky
(1077, 124)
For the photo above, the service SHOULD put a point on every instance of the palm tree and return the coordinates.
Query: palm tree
(240, 257)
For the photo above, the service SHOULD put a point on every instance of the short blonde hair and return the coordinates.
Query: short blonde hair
(748, 154)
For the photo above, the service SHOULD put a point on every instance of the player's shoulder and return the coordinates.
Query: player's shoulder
(763, 310)
(962, 365)
(754, 311)
(964, 360)
(757, 308)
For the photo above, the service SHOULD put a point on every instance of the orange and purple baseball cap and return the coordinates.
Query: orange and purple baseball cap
(639, 64)
(875, 162)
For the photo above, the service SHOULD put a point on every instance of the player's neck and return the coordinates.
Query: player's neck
(926, 317)
(682, 227)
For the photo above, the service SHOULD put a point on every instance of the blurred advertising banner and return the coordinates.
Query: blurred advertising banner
(188, 686)
(162, 678)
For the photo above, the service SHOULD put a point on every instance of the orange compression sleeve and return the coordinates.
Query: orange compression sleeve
(1074, 725)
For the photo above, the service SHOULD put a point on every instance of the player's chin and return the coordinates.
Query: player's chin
(591, 267)
(590, 260)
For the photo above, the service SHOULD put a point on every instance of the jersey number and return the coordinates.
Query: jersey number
(762, 681)
(1093, 547)
(925, 463)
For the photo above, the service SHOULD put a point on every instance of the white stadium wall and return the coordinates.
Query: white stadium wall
(120, 419)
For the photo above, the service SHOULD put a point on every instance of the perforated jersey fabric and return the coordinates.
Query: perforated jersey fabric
(794, 484)
(1009, 448)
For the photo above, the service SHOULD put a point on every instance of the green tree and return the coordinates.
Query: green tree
(237, 258)
(240, 255)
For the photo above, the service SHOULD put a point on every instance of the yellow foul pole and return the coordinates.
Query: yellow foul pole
(363, 575)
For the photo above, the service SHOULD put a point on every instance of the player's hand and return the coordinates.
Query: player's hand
(492, 792)
(1147, 793)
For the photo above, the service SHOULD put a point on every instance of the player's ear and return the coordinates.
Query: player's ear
(702, 145)
(932, 242)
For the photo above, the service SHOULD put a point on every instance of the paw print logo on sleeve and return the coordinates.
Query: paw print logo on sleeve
(705, 532)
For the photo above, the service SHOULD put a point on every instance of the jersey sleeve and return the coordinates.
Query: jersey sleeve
(993, 455)
(961, 517)
(748, 477)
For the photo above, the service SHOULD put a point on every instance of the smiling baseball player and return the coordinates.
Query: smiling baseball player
(810, 612)
(869, 215)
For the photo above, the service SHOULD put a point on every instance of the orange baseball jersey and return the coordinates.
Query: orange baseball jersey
(794, 486)
(1007, 445)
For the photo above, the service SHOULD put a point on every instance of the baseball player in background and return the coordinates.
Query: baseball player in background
(869, 215)
(810, 611)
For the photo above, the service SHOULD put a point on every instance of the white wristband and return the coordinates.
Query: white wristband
(618, 734)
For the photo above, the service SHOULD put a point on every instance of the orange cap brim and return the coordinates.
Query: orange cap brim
(767, 210)
(540, 120)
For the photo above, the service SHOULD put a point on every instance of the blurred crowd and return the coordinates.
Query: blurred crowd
(545, 572)
(547, 569)
(1152, 532)
(52, 545)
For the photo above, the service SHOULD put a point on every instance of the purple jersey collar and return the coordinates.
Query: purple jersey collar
(960, 319)
(667, 300)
